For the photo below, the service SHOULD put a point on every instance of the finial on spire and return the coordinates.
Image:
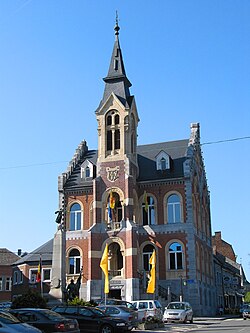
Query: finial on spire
(117, 28)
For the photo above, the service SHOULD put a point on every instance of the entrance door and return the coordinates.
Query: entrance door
(115, 293)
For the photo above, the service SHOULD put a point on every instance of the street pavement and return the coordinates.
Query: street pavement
(198, 322)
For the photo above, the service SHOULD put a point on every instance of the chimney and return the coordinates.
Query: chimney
(218, 235)
(19, 252)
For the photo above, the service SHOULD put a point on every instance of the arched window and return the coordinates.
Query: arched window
(148, 210)
(114, 211)
(175, 256)
(109, 140)
(147, 253)
(117, 119)
(117, 139)
(109, 120)
(91, 214)
(74, 262)
(75, 217)
(112, 132)
(174, 209)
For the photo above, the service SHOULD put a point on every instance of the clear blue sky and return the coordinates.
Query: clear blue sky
(188, 62)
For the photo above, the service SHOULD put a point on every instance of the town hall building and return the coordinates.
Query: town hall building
(136, 199)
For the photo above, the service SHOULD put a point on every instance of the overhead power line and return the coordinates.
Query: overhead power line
(172, 147)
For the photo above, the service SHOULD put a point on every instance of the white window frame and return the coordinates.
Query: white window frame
(8, 281)
(75, 213)
(43, 270)
(175, 257)
(174, 206)
(32, 275)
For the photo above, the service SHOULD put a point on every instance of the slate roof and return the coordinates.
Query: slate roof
(146, 161)
(7, 257)
(147, 157)
(44, 250)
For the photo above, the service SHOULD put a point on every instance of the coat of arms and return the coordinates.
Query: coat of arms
(112, 173)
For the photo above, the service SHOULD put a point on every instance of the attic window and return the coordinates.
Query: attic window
(87, 172)
(162, 161)
(163, 164)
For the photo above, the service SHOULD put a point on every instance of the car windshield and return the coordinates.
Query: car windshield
(157, 304)
(177, 306)
(7, 318)
(51, 314)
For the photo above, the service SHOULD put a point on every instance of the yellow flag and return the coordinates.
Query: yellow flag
(111, 200)
(151, 283)
(104, 267)
(145, 199)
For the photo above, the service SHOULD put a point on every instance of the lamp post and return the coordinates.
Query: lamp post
(181, 294)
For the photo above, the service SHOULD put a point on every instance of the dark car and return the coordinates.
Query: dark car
(92, 319)
(122, 312)
(10, 324)
(46, 320)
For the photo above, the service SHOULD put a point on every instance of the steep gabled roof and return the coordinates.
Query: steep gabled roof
(45, 251)
(147, 160)
(7, 257)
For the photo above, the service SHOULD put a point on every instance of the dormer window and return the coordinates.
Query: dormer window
(162, 161)
(87, 170)
(163, 164)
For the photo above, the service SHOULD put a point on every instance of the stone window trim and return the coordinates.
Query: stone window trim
(150, 207)
(69, 210)
(78, 260)
(171, 242)
(165, 205)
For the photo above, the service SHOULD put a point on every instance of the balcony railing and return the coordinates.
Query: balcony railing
(115, 272)
(114, 226)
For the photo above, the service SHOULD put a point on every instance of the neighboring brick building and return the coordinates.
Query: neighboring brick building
(222, 247)
(161, 200)
(7, 258)
(25, 271)
(229, 275)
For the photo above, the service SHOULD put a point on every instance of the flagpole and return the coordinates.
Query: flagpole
(41, 282)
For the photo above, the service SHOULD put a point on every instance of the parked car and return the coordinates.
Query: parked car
(119, 311)
(93, 320)
(46, 320)
(243, 307)
(10, 324)
(179, 312)
(5, 305)
(149, 308)
(113, 301)
(246, 311)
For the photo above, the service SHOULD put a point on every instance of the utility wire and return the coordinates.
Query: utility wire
(171, 147)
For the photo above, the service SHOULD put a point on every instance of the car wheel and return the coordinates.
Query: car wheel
(106, 329)
(191, 320)
(185, 320)
(244, 318)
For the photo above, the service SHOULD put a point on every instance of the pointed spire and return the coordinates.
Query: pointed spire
(116, 80)
(117, 28)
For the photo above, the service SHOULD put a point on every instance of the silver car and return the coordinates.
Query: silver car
(179, 312)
